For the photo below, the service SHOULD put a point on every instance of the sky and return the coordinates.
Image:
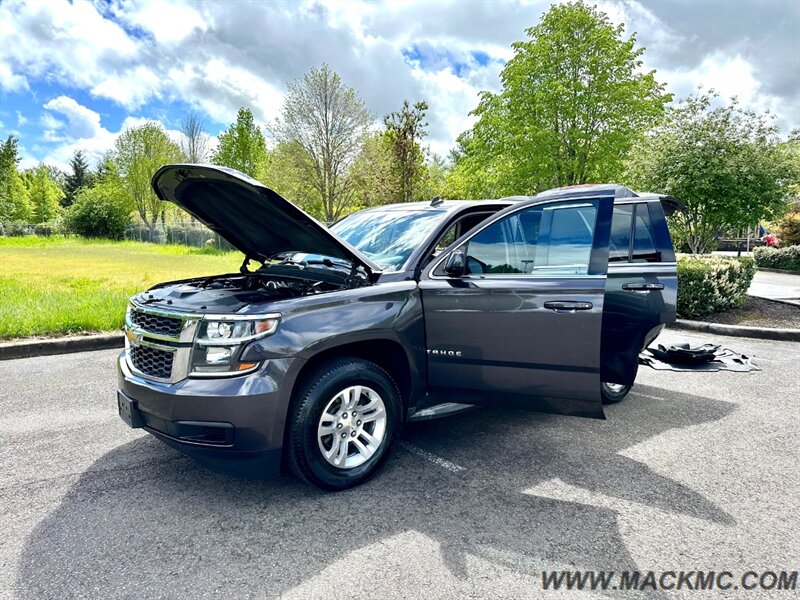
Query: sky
(73, 75)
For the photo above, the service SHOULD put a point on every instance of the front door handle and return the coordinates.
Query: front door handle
(561, 306)
(642, 287)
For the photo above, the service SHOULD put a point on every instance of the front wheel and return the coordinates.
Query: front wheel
(613, 392)
(343, 424)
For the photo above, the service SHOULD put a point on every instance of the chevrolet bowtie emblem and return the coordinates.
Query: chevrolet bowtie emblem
(133, 338)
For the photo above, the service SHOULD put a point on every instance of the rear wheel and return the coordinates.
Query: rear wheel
(344, 423)
(613, 392)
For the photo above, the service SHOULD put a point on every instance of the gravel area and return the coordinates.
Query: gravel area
(759, 312)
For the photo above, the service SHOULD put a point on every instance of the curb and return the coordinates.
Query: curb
(65, 345)
(762, 333)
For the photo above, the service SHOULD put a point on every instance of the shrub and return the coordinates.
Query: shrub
(787, 258)
(15, 229)
(789, 230)
(46, 229)
(99, 212)
(708, 284)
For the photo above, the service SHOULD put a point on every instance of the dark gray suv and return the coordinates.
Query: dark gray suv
(328, 340)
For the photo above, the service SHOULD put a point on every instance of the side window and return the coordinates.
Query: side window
(620, 241)
(542, 240)
(493, 251)
(644, 248)
(448, 238)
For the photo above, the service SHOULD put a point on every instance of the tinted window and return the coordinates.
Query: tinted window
(551, 239)
(644, 249)
(620, 241)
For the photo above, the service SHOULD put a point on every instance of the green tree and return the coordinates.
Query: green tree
(373, 176)
(574, 99)
(434, 177)
(242, 146)
(44, 194)
(727, 164)
(330, 121)
(80, 177)
(405, 130)
(288, 165)
(103, 210)
(139, 152)
(14, 197)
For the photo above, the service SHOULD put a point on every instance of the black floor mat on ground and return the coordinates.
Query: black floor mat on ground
(706, 357)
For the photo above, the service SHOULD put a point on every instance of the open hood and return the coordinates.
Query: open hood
(252, 217)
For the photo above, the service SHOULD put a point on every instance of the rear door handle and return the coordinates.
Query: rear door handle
(642, 287)
(560, 306)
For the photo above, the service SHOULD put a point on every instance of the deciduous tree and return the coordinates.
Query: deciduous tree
(44, 194)
(194, 143)
(727, 164)
(329, 120)
(574, 98)
(140, 151)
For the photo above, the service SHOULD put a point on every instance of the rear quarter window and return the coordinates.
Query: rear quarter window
(632, 238)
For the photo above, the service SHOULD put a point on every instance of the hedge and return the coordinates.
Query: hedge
(709, 284)
(787, 258)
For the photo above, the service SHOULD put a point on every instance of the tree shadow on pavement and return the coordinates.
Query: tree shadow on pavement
(134, 525)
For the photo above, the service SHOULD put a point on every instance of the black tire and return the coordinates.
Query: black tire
(612, 395)
(305, 458)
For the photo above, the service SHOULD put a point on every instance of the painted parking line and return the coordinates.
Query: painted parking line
(437, 460)
(641, 395)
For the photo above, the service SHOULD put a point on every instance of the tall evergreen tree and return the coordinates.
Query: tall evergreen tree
(79, 178)
(14, 197)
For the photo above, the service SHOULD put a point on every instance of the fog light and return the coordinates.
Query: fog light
(218, 354)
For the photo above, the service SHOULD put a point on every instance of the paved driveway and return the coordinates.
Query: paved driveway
(691, 471)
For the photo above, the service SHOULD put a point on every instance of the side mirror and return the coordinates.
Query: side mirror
(456, 264)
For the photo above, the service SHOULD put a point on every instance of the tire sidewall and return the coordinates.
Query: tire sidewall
(321, 388)
(613, 397)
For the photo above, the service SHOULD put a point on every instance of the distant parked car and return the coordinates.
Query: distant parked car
(317, 356)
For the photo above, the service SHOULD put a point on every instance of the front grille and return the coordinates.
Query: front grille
(157, 324)
(152, 362)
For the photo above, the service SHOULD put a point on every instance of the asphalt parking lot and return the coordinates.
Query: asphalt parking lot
(692, 471)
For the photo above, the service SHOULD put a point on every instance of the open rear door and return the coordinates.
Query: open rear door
(523, 325)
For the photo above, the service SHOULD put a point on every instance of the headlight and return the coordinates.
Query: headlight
(221, 339)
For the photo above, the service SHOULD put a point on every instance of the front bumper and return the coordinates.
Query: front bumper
(235, 425)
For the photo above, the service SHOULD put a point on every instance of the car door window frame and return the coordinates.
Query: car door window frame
(595, 268)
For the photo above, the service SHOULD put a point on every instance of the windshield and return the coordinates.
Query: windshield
(388, 237)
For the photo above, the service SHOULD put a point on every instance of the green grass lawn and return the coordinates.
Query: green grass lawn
(59, 286)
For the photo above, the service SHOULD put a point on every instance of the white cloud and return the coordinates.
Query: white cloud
(10, 81)
(81, 129)
(82, 122)
(216, 58)
(67, 42)
(22, 120)
(168, 22)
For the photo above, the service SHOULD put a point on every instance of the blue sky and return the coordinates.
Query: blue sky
(74, 74)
